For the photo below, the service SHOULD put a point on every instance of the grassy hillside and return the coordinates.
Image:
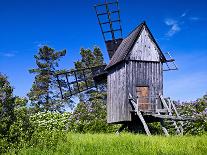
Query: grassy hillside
(110, 144)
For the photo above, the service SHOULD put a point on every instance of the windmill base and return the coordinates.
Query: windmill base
(139, 124)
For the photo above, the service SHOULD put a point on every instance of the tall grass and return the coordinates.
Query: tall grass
(124, 144)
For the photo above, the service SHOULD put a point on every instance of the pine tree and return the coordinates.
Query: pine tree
(44, 94)
(6, 105)
(90, 59)
(90, 113)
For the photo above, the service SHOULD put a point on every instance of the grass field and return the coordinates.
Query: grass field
(124, 144)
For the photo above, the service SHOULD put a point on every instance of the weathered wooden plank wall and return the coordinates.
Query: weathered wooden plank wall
(124, 79)
(117, 105)
(145, 74)
(142, 68)
(145, 49)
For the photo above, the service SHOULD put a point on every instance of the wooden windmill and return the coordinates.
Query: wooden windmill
(134, 75)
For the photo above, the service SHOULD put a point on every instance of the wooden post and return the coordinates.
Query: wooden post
(156, 105)
(139, 115)
(164, 103)
(143, 122)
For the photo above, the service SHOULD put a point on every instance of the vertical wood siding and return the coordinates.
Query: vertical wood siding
(145, 74)
(117, 105)
(124, 79)
(142, 68)
(145, 49)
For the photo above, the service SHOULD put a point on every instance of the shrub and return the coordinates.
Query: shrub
(197, 110)
(48, 121)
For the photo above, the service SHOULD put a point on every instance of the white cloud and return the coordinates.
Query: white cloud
(194, 18)
(183, 14)
(174, 27)
(40, 44)
(8, 54)
(170, 22)
(175, 24)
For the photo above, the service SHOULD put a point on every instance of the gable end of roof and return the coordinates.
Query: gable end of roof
(127, 44)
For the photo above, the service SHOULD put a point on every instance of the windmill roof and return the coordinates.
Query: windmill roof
(127, 44)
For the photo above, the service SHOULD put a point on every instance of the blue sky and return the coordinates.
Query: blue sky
(179, 26)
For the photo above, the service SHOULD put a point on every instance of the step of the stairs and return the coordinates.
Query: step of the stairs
(161, 111)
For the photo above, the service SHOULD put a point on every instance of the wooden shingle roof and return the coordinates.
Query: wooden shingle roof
(126, 45)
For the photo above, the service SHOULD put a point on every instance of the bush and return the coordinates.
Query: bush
(197, 110)
(48, 121)
(14, 119)
(47, 139)
(90, 117)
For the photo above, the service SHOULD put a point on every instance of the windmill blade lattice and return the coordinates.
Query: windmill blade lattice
(108, 16)
(76, 81)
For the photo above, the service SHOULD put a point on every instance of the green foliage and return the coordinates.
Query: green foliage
(6, 106)
(45, 130)
(49, 121)
(44, 95)
(91, 117)
(89, 58)
(6, 112)
(90, 113)
(47, 139)
(155, 128)
(21, 129)
(14, 119)
(197, 110)
(42, 140)
(111, 144)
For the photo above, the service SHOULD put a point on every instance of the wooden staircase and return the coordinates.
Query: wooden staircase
(169, 113)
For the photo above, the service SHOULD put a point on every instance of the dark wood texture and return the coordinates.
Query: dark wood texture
(112, 45)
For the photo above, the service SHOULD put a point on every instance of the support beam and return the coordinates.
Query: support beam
(139, 115)
(143, 122)
(163, 102)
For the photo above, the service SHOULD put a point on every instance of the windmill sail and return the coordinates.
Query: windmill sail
(76, 81)
(108, 15)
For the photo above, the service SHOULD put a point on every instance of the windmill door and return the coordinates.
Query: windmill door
(143, 97)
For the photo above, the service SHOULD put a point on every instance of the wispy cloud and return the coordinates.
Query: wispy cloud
(174, 27)
(175, 24)
(8, 54)
(41, 43)
(194, 18)
(183, 14)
